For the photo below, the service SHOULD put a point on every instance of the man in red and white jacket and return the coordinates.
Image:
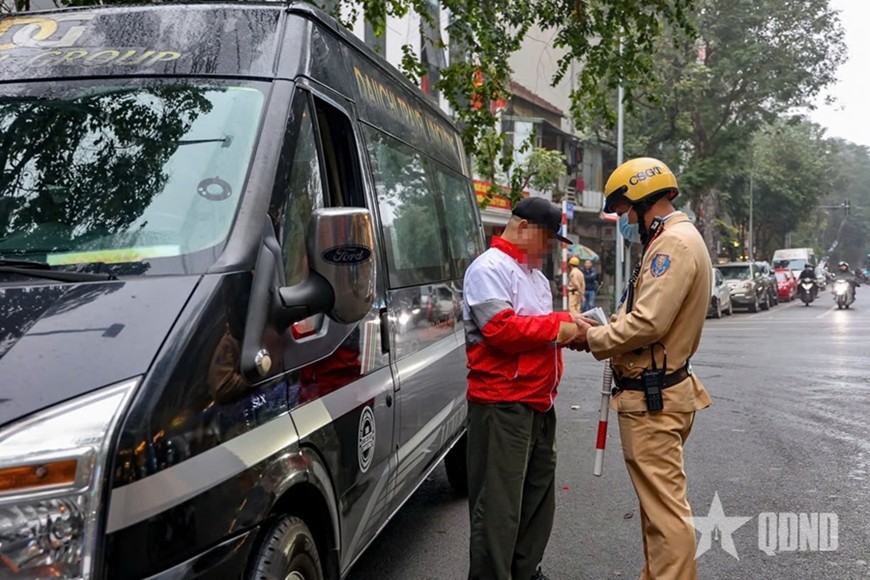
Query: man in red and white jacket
(513, 341)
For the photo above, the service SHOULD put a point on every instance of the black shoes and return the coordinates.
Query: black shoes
(538, 575)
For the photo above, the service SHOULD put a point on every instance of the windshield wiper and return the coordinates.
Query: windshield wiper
(225, 141)
(43, 270)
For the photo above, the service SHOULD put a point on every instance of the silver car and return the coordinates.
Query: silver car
(720, 301)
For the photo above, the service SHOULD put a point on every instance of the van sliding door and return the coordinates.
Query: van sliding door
(422, 303)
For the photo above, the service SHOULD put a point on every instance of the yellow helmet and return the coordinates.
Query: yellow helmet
(637, 179)
(574, 261)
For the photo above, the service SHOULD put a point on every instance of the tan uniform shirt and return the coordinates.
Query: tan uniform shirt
(576, 281)
(671, 298)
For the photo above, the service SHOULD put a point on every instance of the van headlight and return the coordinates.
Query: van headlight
(51, 476)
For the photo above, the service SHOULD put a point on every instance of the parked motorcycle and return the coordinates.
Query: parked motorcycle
(844, 293)
(807, 291)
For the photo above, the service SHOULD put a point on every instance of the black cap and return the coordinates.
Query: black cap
(539, 211)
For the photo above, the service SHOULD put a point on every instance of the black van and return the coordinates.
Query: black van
(232, 242)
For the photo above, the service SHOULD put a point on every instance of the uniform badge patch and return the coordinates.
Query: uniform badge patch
(659, 265)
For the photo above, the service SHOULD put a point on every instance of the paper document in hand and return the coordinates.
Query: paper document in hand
(596, 314)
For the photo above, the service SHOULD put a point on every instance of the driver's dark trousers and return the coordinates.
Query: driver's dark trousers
(511, 489)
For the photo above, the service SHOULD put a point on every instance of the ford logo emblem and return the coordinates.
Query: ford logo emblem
(347, 255)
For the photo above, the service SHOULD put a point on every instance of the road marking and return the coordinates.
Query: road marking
(769, 313)
(825, 313)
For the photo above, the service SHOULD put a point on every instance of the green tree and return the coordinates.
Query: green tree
(542, 170)
(750, 61)
(788, 161)
(829, 228)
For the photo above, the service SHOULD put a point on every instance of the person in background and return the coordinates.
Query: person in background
(591, 278)
(576, 286)
(809, 273)
(845, 273)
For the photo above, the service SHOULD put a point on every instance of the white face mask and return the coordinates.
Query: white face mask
(629, 231)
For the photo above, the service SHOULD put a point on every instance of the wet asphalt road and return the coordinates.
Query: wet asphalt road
(787, 434)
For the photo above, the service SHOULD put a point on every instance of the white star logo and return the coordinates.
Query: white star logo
(716, 526)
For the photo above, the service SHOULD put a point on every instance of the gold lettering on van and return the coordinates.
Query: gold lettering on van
(42, 32)
(101, 57)
(381, 97)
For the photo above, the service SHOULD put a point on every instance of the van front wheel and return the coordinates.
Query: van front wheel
(288, 552)
(456, 465)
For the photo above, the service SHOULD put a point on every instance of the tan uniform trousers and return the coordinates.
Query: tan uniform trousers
(652, 444)
(575, 300)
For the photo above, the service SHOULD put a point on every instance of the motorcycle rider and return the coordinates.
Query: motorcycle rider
(844, 273)
(809, 273)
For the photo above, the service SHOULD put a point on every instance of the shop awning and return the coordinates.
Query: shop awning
(582, 252)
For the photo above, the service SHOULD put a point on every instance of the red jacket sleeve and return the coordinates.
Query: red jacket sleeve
(514, 334)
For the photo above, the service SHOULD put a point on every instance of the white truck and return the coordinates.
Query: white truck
(795, 259)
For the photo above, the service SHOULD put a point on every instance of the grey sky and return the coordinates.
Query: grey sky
(849, 117)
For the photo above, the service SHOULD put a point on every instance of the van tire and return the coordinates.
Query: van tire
(288, 552)
(456, 465)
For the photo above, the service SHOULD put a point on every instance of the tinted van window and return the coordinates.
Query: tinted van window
(462, 229)
(302, 191)
(411, 216)
(117, 172)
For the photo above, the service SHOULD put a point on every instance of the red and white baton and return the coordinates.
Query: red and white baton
(602, 420)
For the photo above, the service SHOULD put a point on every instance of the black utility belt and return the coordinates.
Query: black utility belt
(676, 377)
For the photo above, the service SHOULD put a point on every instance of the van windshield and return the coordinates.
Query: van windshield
(124, 172)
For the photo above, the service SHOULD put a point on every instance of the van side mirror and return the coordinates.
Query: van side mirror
(341, 282)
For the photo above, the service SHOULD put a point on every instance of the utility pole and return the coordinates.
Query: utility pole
(620, 244)
(751, 199)
(846, 206)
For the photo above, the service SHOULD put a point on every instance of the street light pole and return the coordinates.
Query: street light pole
(620, 245)
(751, 199)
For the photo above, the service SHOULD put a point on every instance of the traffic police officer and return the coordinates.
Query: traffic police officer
(576, 286)
(650, 340)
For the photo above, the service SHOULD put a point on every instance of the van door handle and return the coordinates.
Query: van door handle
(385, 330)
